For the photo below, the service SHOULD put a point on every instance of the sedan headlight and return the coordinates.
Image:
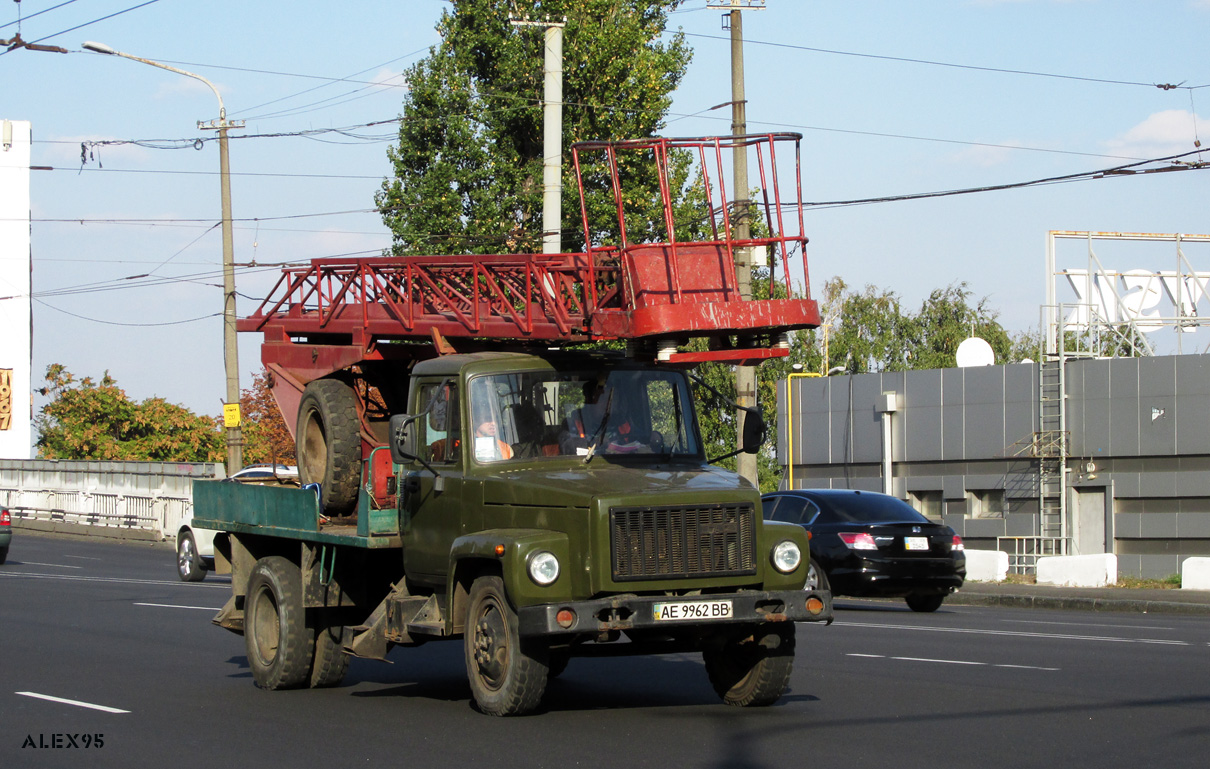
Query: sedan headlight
(543, 567)
(786, 556)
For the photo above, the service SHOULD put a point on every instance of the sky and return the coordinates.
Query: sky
(892, 99)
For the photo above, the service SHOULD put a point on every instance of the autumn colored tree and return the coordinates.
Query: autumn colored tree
(266, 438)
(89, 419)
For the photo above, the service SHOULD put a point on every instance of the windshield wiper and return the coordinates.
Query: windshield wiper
(600, 433)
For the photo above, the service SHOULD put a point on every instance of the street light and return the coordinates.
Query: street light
(231, 415)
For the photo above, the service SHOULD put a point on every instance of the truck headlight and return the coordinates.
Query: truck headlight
(786, 556)
(543, 567)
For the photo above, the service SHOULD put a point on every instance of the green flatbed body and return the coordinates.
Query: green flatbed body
(288, 512)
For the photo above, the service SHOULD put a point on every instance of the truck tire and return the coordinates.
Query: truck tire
(507, 675)
(754, 670)
(328, 444)
(189, 564)
(280, 646)
(331, 663)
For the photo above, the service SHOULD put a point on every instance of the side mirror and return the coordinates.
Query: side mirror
(754, 430)
(403, 438)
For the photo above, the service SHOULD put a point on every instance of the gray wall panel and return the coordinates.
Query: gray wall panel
(984, 527)
(867, 421)
(1020, 403)
(1193, 374)
(1124, 410)
(1127, 484)
(1025, 525)
(1194, 525)
(1158, 525)
(983, 391)
(1193, 483)
(1192, 423)
(1157, 425)
(1128, 525)
(1157, 484)
(953, 428)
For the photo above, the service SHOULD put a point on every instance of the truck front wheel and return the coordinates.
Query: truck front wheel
(279, 644)
(755, 669)
(507, 676)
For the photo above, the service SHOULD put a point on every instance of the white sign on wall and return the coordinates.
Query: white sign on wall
(15, 395)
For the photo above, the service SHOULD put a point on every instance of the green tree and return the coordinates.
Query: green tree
(468, 164)
(869, 330)
(86, 419)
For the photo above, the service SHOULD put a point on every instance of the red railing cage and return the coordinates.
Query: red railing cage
(654, 281)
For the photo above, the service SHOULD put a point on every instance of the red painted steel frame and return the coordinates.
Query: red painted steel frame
(333, 313)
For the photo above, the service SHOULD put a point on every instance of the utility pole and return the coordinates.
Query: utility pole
(552, 132)
(231, 411)
(745, 376)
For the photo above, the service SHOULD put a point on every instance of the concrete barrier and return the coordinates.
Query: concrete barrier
(1195, 574)
(986, 565)
(1078, 570)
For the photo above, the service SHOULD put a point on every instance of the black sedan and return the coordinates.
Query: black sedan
(869, 544)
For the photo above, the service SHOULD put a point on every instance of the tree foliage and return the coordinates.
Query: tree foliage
(267, 440)
(89, 419)
(468, 164)
(870, 330)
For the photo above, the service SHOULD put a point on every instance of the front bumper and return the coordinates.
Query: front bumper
(635, 612)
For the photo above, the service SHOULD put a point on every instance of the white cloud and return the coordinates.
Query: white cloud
(1164, 133)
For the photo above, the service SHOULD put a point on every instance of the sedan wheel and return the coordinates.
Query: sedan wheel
(817, 579)
(189, 566)
(924, 602)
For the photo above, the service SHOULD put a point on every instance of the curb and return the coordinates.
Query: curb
(1077, 604)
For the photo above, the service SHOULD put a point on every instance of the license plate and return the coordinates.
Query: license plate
(915, 543)
(683, 610)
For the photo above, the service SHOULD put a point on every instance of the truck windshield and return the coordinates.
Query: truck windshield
(546, 414)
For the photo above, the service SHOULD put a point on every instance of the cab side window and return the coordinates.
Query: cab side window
(439, 436)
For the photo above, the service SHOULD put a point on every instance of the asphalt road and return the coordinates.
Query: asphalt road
(144, 679)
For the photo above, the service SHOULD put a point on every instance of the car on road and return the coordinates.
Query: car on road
(195, 547)
(867, 544)
(6, 532)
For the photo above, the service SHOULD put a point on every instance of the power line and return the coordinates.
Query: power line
(86, 24)
(21, 19)
(951, 65)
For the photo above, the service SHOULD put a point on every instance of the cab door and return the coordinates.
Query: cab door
(430, 498)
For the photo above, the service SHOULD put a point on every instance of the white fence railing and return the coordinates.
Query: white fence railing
(148, 496)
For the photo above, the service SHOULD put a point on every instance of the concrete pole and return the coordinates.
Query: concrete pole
(235, 437)
(552, 142)
(745, 376)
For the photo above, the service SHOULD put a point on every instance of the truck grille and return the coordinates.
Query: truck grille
(684, 541)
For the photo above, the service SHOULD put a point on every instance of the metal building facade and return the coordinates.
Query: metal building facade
(964, 448)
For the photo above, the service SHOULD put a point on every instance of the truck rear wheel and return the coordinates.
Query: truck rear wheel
(328, 443)
(507, 676)
(331, 663)
(753, 670)
(279, 644)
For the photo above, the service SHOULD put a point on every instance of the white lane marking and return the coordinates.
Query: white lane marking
(952, 662)
(1026, 667)
(1014, 633)
(52, 565)
(176, 606)
(1087, 624)
(77, 703)
(83, 557)
(35, 575)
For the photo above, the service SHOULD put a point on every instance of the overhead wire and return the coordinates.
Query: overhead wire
(85, 24)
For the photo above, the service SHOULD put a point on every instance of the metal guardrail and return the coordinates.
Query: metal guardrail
(1024, 552)
(156, 497)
